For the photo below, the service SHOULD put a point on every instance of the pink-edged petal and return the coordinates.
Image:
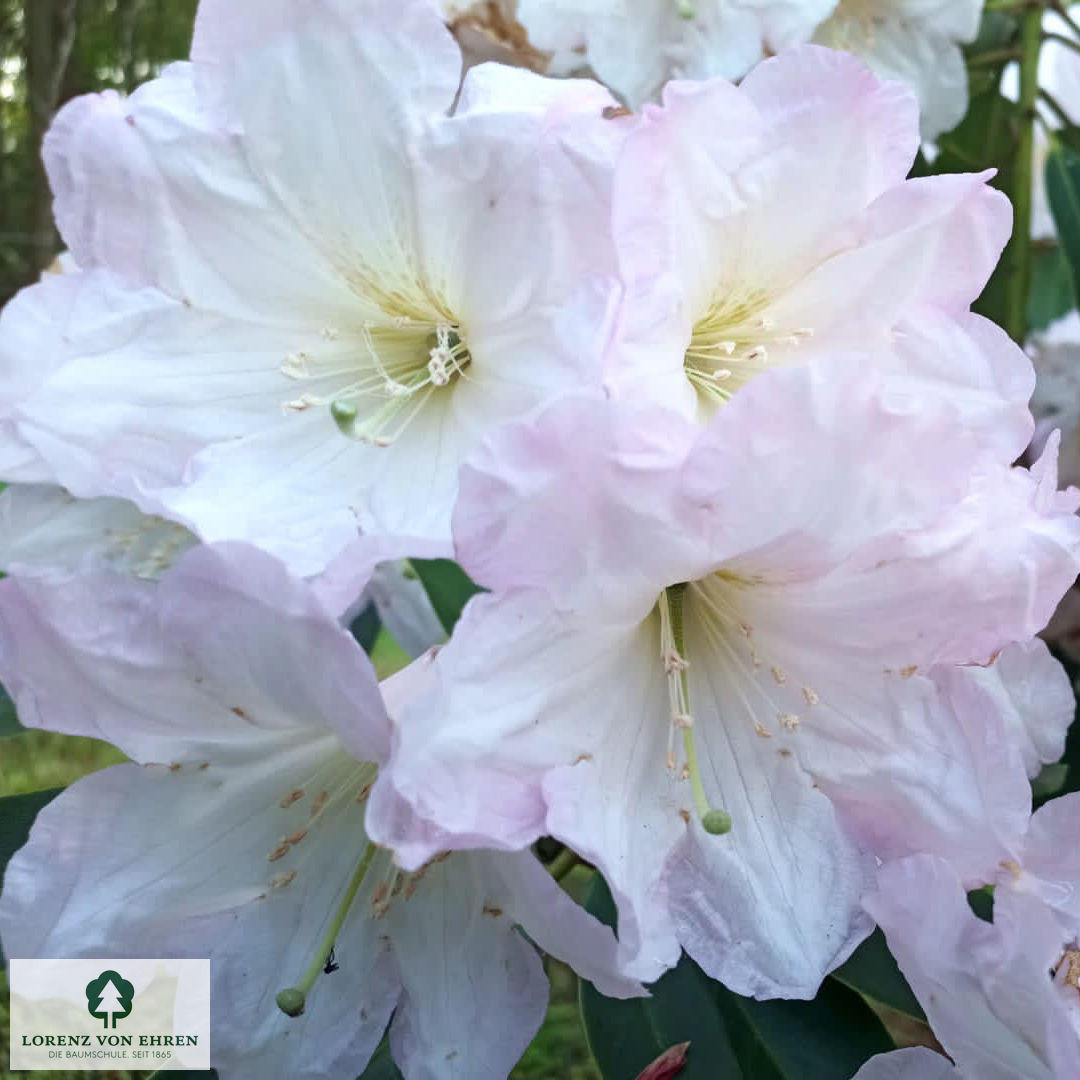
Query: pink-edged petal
(582, 497)
(969, 366)
(912, 1063)
(800, 95)
(903, 254)
(152, 189)
(1051, 859)
(315, 84)
(225, 645)
(532, 727)
(138, 861)
(985, 988)
(1032, 692)
(772, 906)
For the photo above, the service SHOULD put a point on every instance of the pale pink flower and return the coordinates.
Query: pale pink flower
(807, 598)
(1003, 997)
(797, 235)
(916, 42)
(256, 728)
(288, 239)
(636, 46)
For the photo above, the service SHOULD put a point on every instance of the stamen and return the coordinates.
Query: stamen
(291, 1000)
(685, 9)
(717, 822)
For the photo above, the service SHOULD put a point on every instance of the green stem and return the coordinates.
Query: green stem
(563, 863)
(1020, 256)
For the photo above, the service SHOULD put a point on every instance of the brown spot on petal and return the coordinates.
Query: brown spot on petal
(295, 837)
(278, 853)
(907, 672)
(613, 112)
(685, 815)
(175, 767)
(237, 711)
(494, 912)
(293, 796)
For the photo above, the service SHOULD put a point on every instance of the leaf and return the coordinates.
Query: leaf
(1051, 287)
(9, 720)
(365, 627)
(1063, 190)
(448, 587)
(874, 973)
(731, 1037)
(381, 1066)
(17, 813)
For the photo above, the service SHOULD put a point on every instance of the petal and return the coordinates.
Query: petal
(224, 646)
(1051, 858)
(45, 532)
(137, 861)
(904, 254)
(913, 1063)
(541, 725)
(317, 85)
(474, 989)
(984, 987)
(582, 501)
(556, 923)
(152, 189)
(772, 906)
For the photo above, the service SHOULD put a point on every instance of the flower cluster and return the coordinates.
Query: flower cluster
(695, 396)
(636, 46)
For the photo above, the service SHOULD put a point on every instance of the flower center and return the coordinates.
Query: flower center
(730, 344)
(673, 656)
(375, 382)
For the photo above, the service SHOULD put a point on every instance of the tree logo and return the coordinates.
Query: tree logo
(109, 995)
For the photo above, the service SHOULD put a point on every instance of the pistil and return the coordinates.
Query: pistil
(291, 1000)
(673, 652)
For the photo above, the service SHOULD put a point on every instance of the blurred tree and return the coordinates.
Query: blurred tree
(50, 51)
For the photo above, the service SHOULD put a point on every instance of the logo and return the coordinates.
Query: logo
(106, 1013)
(109, 996)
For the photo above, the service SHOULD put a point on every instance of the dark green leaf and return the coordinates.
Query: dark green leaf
(1051, 287)
(1063, 190)
(448, 587)
(986, 139)
(872, 970)
(17, 813)
(381, 1066)
(731, 1037)
(9, 721)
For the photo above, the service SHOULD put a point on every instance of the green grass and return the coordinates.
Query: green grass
(39, 759)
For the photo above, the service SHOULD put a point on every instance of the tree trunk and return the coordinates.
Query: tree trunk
(50, 35)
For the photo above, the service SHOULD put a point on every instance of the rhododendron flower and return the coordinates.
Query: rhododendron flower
(695, 628)
(1002, 997)
(796, 236)
(916, 42)
(302, 293)
(636, 47)
(257, 728)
